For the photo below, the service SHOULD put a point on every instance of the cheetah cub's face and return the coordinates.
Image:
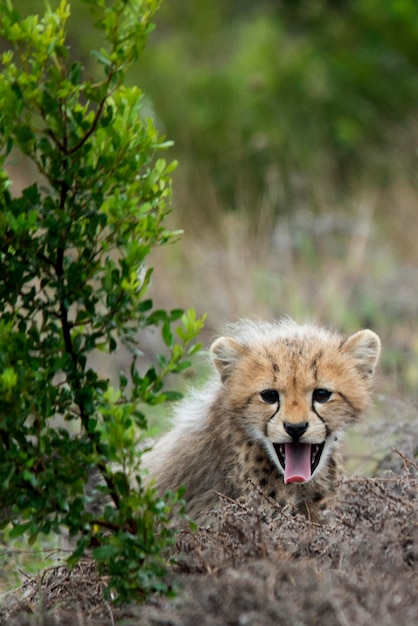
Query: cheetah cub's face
(294, 389)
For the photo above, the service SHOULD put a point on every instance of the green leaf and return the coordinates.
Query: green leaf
(19, 530)
(102, 56)
(172, 396)
(105, 553)
(167, 334)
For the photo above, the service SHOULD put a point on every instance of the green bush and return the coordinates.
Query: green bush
(74, 282)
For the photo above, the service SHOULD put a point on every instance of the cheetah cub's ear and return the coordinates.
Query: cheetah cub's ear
(225, 352)
(364, 346)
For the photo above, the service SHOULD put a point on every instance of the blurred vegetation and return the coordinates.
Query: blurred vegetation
(295, 126)
(278, 94)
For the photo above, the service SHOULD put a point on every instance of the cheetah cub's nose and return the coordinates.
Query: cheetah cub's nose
(295, 430)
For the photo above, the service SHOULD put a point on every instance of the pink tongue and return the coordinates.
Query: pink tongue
(297, 462)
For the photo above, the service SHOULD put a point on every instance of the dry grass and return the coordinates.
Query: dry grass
(346, 266)
(359, 564)
(257, 563)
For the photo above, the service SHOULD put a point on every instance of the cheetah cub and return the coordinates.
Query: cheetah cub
(272, 416)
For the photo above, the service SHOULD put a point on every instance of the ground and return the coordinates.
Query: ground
(358, 565)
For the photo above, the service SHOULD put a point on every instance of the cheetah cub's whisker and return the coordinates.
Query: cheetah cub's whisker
(272, 414)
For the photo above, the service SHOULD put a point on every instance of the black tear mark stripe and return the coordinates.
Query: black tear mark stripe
(269, 420)
(318, 414)
(327, 430)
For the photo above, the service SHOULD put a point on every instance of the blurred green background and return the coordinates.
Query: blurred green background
(295, 127)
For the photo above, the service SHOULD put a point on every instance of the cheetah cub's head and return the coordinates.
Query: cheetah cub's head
(294, 388)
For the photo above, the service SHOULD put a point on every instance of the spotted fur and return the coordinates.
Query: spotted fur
(230, 435)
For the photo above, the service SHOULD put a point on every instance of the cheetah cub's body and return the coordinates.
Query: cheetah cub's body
(272, 416)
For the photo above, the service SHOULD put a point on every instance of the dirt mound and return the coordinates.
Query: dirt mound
(266, 566)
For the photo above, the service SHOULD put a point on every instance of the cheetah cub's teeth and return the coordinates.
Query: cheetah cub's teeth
(316, 455)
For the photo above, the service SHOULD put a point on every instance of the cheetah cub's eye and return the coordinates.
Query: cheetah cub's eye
(270, 396)
(321, 395)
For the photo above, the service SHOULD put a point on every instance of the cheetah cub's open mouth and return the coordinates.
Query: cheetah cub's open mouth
(299, 460)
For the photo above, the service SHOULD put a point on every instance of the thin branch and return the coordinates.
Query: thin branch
(96, 119)
(228, 499)
(405, 459)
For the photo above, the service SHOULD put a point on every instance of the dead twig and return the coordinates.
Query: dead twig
(271, 501)
(231, 500)
(405, 460)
